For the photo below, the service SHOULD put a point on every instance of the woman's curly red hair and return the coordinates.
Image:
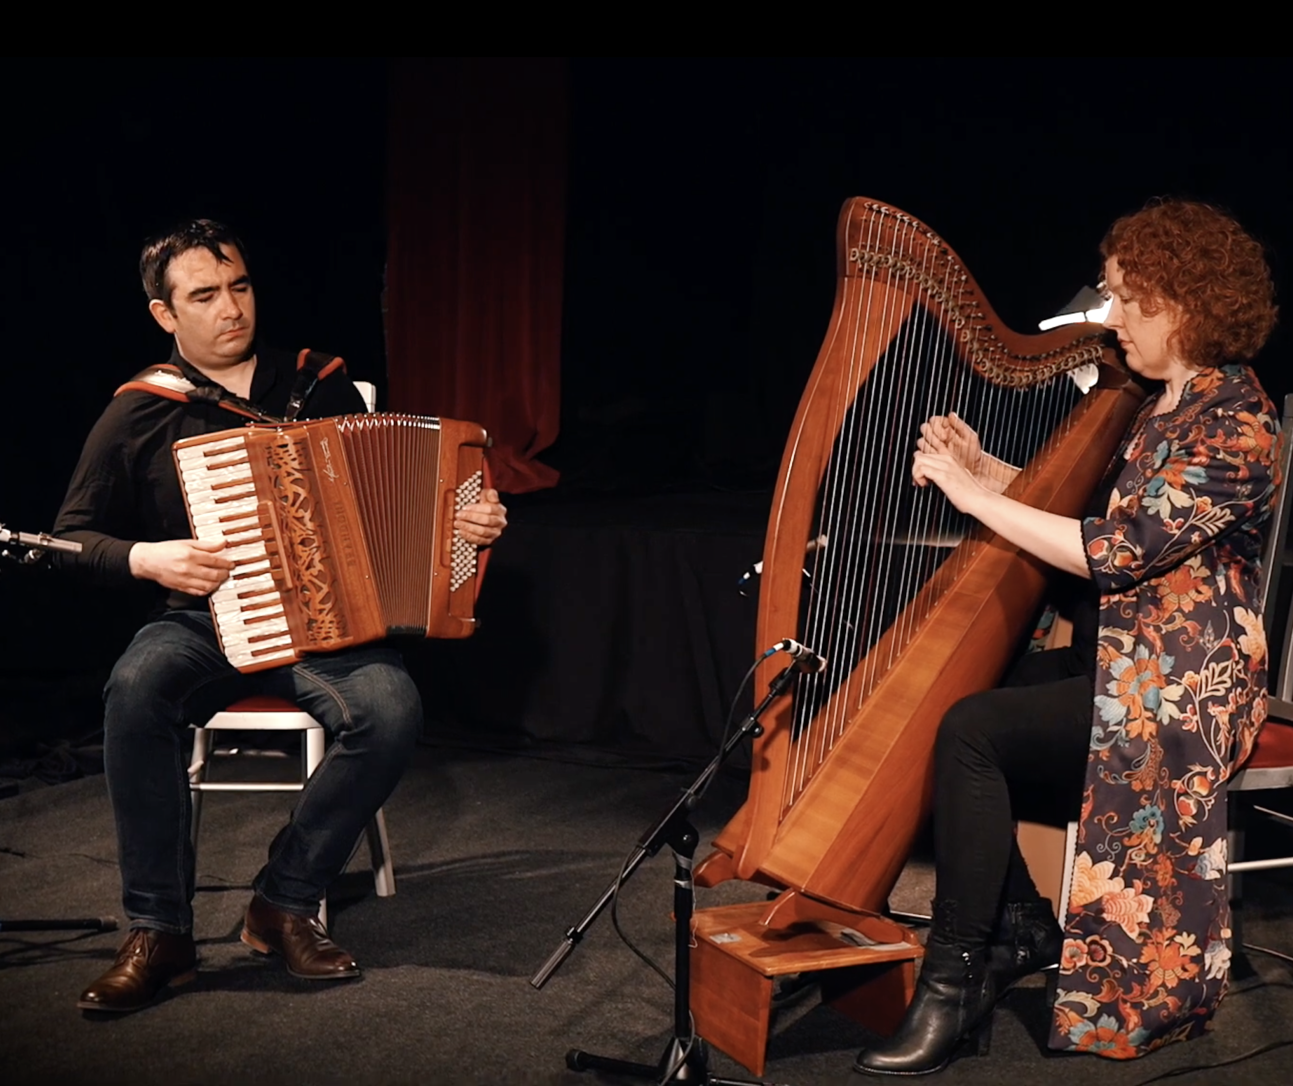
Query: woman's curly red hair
(1201, 262)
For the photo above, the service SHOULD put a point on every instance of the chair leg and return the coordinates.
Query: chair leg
(379, 852)
(198, 774)
(1238, 814)
(1066, 887)
(312, 750)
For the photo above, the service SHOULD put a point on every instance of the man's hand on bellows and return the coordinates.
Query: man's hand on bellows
(195, 566)
(482, 522)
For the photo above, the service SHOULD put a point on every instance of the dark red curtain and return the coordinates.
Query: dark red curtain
(476, 221)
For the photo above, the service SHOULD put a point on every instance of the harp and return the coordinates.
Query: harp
(913, 606)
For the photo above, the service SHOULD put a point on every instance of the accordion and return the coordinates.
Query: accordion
(340, 531)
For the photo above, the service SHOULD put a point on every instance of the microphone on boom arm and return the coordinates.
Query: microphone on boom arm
(37, 544)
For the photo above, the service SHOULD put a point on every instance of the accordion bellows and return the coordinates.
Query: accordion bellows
(340, 530)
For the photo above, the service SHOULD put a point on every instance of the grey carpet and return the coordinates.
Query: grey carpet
(495, 857)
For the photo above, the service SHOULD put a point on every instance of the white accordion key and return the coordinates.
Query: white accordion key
(237, 587)
(223, 459)
(239, 530)
(212, 512)
(201, 451)
(245, 635)
(238, 603)
(251, 535)
(203, 479)
(224, 501)
(240, 554)
(244, 656)
(249, 610)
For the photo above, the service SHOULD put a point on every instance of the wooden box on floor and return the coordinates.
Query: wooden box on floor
(1044, 849)
(735, 961)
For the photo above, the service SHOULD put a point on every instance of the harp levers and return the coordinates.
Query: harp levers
(841, 777)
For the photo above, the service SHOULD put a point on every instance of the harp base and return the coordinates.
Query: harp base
(736, 959)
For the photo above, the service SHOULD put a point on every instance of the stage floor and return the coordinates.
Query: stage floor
(496, 856)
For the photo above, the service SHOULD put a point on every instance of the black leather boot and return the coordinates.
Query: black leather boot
(953, 1005)
(1028, 940)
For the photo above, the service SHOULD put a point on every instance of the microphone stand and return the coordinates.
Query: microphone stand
(684, 1059)
(37, 544)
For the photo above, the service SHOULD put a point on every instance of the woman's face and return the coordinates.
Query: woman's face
(1147, 340)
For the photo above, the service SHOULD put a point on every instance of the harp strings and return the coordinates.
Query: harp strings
(845, 569)
(881, 539)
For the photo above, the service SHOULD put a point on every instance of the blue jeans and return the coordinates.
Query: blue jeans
(173, 675)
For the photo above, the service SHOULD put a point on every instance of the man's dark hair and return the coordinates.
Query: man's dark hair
(160, 251)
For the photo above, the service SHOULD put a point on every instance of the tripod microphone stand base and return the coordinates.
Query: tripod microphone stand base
(685, 1058)
(690, 1064)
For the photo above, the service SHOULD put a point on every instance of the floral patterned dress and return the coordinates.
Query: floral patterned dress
(1180, 693)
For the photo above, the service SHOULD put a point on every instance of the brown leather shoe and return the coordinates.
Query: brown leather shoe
(302, 941)
(147, 962)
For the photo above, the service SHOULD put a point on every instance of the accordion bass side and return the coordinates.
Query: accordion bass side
(340, 531)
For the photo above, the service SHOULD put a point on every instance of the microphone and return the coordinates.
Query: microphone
(37, 543)
(805, 659)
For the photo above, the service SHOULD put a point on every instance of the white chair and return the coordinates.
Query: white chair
(1270, 767)
(277, 714)
(368, 391)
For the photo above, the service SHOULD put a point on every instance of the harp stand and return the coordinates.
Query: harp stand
(684, 1059)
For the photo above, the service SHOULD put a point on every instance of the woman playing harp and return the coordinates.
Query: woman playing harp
(1140, 722)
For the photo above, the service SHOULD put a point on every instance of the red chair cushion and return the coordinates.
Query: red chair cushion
(1274, 748)
(263, 704)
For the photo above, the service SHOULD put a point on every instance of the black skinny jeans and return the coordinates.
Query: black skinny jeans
(1019, 751)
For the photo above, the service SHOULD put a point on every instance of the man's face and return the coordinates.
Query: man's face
(213, 311)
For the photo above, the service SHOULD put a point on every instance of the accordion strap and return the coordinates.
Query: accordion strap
(171, 382)
(311, 368)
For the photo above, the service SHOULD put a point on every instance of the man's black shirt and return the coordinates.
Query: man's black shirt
(125, 490)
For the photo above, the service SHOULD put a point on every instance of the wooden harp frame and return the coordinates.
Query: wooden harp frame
(838, 845)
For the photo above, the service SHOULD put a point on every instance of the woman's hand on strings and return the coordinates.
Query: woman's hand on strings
(950, 435)
(950, 476)
(1052, 538)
